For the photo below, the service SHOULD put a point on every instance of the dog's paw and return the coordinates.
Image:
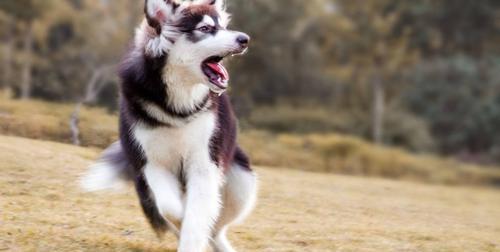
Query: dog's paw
(192, 243)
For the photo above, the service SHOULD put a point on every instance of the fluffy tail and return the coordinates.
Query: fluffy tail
(113, 171)
(110, 172)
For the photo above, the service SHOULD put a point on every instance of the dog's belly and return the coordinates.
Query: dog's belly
(169, 146)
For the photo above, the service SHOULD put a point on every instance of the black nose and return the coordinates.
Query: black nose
(243, 40)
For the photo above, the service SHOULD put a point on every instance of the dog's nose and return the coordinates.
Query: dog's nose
(243, 40)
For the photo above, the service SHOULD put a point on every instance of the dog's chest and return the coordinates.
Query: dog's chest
(168, 146)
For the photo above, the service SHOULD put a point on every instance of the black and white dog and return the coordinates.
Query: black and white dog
(177, 128)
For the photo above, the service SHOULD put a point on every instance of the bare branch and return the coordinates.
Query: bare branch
(94, 86)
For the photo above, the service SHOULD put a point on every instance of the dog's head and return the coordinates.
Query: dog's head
(195, 37)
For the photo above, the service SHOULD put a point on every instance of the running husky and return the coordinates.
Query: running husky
(177, 127)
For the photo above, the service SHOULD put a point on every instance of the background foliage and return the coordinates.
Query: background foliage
(423, 75)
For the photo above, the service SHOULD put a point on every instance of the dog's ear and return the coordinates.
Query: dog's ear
(159, 12)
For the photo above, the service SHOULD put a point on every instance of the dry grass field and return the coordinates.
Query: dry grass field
(326, 153)
(41, 209)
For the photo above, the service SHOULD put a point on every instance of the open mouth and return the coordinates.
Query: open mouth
(216, 73)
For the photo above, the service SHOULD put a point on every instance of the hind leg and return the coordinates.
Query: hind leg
(238, 195)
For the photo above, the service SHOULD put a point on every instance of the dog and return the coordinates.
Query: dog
(177, 127)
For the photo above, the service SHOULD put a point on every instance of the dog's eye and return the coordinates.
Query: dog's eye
(205, 29)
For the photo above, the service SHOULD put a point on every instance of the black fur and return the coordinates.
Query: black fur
(223, 144)
(157, 222)
(241, 159)
(142, 82)
(193, 16)
(136, 159)
(141, 77)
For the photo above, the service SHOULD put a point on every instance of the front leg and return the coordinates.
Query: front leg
(167, 193)
(202, 203)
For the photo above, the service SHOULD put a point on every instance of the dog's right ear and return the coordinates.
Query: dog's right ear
(159, 12)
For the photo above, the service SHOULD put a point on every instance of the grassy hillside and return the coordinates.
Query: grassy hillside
(43, 210)
(330, 153)
(50, 121)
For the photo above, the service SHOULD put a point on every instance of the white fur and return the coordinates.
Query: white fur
(157, 113)
(220, 243)
(157, 8)
(168, 146)
(165, 149)
(152, 44)
(185, 57)
(189, 143)
(202, 202)
(220, 5)
(224, 19)
(146, 37)
(166, 189)
(207, 20)
(102, 176)
(159, 44)
(163, 12)
(239, 196)
(199, 207)
(185, 89)
(185, 52)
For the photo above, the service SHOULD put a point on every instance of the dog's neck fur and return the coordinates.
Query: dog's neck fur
(185, 91)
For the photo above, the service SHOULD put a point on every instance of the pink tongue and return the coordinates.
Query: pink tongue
(220, 69)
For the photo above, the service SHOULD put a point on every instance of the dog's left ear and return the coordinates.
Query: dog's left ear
(160, 12)
(161, 16)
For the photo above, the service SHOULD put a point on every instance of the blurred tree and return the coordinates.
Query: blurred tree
(58, 45)
(455, 84)
(460, 101)
(284, 62)
(366, 51)
(448, 27)
(25, 12)
(7, 27)
(369, 68)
